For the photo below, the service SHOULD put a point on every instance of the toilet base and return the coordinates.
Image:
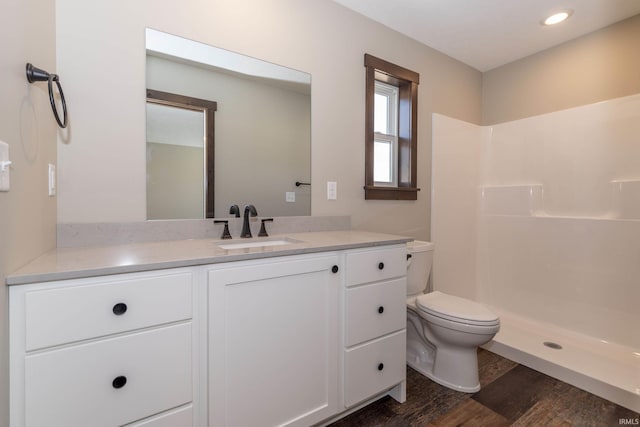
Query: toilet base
(455, 367)
(464, 380)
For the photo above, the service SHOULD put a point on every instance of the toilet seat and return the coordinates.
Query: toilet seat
(456, 309)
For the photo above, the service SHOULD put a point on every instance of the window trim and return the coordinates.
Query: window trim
(407, 82)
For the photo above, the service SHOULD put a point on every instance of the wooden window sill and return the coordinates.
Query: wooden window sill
(390, 193)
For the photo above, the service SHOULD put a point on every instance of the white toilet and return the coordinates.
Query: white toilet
(443, 331)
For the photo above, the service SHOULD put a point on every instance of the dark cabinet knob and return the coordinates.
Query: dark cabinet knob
(334, 269)
(381, 309)
(380, 366)
(119, 382)
(119, 309)
(381, 266)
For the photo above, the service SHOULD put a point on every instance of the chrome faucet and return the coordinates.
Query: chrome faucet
(246, 230)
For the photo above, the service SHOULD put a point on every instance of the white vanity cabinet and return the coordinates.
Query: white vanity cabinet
(375, 324)
(291, 340)
(274, 341)
(103, 351)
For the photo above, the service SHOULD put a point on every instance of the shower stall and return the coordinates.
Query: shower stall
(539, 218)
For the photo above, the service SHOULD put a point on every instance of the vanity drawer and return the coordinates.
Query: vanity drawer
(110, 382)
(181, 417)
(375, 310)
(374, 367)
(74, 313)
(377, 264)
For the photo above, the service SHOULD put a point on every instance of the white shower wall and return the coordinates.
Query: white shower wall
(541, 216)
(457, 149)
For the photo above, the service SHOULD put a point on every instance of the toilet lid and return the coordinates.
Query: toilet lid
(456, 309)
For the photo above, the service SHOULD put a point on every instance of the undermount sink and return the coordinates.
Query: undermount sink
(257, 244)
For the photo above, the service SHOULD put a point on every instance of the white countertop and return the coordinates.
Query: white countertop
(75, 263)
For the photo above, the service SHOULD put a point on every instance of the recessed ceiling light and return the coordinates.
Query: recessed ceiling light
(557, 17)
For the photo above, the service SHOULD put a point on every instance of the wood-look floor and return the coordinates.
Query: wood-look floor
(511, 395)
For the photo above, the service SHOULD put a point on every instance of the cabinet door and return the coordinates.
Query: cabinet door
(273, 342)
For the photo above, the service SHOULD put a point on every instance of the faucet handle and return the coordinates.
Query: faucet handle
(263, 230)
(235, 210)
(225, 232)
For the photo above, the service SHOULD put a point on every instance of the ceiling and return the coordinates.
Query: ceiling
(488, 33)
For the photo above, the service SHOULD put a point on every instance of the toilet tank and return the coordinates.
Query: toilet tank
(418, 266)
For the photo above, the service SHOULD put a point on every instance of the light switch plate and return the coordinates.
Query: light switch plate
(5, 169)
(52, 180)
(290, 196)
(332, 190)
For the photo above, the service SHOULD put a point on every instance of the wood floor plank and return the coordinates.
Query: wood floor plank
(470, 414)
(542, 413)
(563, 404)
(491, 366)
(515, 392)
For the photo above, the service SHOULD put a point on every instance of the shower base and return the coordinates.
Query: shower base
(608, 370)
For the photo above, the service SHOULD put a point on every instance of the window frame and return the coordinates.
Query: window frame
(407, 132)
(391, 94)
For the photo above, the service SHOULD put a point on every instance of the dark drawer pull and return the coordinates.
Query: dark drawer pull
(334, 269)
(119, 382)
(381, 266)
(380, 366)
(119, 309)
(381, 309)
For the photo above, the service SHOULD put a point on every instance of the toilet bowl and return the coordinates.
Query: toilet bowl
(443, 331)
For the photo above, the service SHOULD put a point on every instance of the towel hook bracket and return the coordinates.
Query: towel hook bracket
(35, 74)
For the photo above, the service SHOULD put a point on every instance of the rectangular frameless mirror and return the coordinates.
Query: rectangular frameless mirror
(255, 150)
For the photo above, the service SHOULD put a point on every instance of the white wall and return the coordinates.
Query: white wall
(100, 49)
(554, 204)
(27, 214)
(596, 67)
(175, 181)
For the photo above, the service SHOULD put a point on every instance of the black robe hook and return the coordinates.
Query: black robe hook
(35, 74)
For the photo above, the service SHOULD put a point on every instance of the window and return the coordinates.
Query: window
(385, 139)
(390, 131)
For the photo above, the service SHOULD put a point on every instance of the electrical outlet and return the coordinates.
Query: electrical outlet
(290, 196)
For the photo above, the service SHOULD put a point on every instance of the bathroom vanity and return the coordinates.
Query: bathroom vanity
(187, 333)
